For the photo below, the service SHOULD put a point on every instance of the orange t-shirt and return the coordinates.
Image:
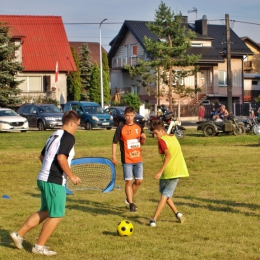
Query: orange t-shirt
(129, 140)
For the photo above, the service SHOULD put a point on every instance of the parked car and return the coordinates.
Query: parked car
(118, 114)
(91, 114)
(11, 121)
(43, 116)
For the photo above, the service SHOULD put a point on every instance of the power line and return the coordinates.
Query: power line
(95, 23)
(246, 22)
(235, 21)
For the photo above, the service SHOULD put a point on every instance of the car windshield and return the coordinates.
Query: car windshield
(7, 113)
(48, 109)
(93, 110)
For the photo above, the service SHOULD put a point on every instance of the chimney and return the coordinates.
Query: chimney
(201, 26)
(184, 19)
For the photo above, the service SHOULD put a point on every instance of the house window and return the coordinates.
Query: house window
(254, 82)
(147, 105)
(196, 44)
(30, 84)
(134, 50)
(177, 78)
(222, 78)
(46, 83)
(134, 90)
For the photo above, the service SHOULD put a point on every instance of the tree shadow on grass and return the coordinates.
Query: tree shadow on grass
(221, 205)
(97, 208)
(194, 134)
(250, 145)
(92, 207)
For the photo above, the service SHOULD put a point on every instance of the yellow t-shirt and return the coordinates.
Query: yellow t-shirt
(176, 167)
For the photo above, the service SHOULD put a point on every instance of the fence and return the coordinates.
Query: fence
(192, 110)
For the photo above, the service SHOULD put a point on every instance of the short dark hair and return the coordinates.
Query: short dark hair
(157, 125)
(70, 116)
(129, 110)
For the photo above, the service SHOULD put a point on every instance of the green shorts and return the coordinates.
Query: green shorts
(53, 198)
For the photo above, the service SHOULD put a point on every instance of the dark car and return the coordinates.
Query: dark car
(91, 114)
(118, 114)
(43, 116)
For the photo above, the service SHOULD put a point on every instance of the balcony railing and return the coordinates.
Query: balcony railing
(119, 62)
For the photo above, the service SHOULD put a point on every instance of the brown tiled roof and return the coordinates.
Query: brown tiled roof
(94, 48)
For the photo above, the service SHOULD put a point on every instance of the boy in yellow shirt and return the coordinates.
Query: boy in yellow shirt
(172, 169)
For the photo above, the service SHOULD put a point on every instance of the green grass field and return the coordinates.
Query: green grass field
(220, 201)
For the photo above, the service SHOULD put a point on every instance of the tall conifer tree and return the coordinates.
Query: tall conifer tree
(94, 90)
(168, 54)
(74, 80)
(9, 68)
(85, 70)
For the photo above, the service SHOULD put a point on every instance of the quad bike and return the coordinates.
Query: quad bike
(229, 125)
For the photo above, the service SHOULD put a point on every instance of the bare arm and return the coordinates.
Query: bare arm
(167, 158)
(63, 162)
(114, 159)
(142, 138)
(41, 157)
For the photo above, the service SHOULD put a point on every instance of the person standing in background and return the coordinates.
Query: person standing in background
(201, 112)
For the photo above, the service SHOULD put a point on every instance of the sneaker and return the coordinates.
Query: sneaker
(43, 251)
(17, 240)
(127, 203)
(132, 207)
(180, 217)
(152, 223)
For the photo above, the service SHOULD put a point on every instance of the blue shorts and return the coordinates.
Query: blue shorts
(53, 198)
(130, 170)
(167, 187)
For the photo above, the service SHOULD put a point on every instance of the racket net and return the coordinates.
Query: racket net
(96, 173)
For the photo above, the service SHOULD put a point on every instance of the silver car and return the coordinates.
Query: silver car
(10, 121)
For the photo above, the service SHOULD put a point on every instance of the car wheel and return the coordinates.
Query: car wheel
(109, 128)
(41, 126)
(88, 126)
(209, 131)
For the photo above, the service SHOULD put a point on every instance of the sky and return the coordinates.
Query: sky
(82, 18)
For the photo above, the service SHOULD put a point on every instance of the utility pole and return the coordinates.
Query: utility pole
(229, 73)
(101, 66)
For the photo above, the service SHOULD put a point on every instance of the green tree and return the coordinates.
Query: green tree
(9, 67)
(74, 80)
(94, 90)
(133, 100)
(85, 70)
(168, 57)
(105, 65)
(106, 88)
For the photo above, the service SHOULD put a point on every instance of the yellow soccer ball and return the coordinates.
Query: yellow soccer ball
(125, 228)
